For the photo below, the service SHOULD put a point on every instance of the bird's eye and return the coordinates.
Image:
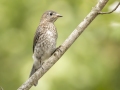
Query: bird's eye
(51, 13)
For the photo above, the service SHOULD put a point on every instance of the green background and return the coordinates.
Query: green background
(91, 63)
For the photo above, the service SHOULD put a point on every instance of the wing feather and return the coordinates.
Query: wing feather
(36, 37)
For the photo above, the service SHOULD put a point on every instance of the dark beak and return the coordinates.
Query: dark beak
(58, 15)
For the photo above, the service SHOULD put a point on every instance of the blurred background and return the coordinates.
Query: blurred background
(91, 63)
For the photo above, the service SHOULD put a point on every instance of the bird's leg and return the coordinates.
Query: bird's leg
(41, 63)
(57, 49)
(57, 52)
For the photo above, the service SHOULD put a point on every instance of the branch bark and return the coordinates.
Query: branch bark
(63, 48)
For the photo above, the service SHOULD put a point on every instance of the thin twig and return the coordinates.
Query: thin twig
(110, 11)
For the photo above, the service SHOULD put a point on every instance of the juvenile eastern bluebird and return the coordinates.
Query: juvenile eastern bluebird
(44, 43)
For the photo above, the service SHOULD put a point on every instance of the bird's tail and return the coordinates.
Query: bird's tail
(33, 70)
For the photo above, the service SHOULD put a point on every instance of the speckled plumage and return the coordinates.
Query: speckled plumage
(44, 43)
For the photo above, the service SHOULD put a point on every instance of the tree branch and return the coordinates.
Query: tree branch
(1, 88)
(110, 11)
(63, 48)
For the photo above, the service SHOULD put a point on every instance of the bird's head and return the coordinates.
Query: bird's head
(50, 16)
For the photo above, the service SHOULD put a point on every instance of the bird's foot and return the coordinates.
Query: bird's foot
(57, 49)
(57, 52)
(42, 66)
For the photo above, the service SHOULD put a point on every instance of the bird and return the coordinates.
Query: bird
(44, 42)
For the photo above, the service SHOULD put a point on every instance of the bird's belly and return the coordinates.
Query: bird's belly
(44, 49)
(48, 50)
